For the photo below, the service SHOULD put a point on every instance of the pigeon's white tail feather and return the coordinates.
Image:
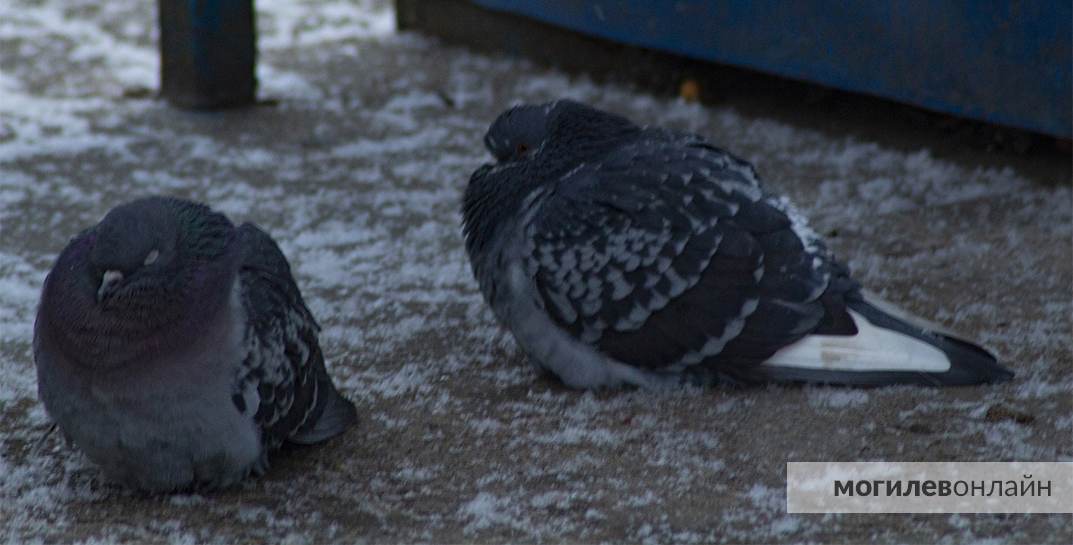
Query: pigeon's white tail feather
(891, 346)
(904, 315)
(871, 349)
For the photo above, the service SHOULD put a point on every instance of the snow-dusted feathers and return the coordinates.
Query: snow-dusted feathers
(192, 360)
(620, 254)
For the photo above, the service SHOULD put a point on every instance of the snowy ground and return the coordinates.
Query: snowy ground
(358, 169)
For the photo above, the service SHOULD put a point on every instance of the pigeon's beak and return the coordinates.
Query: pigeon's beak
(108, 284)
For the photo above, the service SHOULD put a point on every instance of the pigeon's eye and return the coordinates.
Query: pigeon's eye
(151, 258)
(521, 149)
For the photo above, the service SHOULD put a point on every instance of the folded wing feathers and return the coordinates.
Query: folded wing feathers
(619, 243)
(281, 339)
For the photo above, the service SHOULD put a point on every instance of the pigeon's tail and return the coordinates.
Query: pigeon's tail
(332, 415)
(890, 347)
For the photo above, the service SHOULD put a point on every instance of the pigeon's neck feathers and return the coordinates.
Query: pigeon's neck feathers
(487, 205)
(159, 311)
(495, 193)
(577, 131)
(203, 234)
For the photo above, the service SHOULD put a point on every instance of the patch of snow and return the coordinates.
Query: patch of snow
(830, 398)
(487, 510)
(287, 24)
(359, 179)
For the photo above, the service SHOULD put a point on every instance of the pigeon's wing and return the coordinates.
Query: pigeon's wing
(664, 255)
(283, 382)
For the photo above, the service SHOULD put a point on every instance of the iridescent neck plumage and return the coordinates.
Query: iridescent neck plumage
(156, 315)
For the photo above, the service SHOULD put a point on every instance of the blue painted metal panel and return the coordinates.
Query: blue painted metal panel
(1007, 63)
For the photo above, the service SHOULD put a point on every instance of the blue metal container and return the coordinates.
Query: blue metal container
(1007, 63)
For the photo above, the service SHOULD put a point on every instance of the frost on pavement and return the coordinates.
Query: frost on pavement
(358, 170)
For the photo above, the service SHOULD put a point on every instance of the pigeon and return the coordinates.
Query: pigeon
(625, 255)
(176, 351)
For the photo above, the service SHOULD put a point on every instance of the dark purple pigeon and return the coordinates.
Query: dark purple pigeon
(176, 351)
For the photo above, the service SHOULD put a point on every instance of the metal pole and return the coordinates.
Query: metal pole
(208, 53)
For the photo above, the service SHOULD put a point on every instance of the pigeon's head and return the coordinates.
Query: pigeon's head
(141, 269)
(136, 242)
(147, 245)
(518, 132)
(521, 131)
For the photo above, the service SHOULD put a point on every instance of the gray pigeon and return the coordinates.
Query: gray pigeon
(175, 350)
(618, 254)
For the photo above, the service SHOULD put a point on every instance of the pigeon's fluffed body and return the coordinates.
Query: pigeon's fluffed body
(175, 349)
(618, 254)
